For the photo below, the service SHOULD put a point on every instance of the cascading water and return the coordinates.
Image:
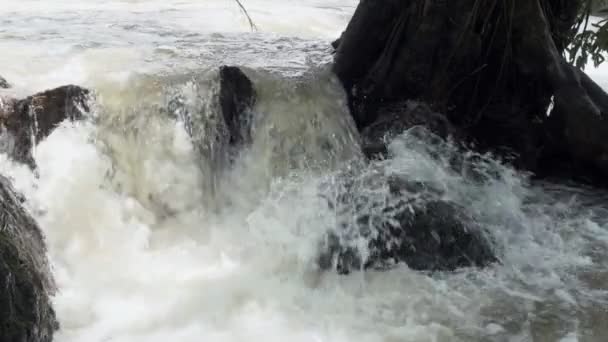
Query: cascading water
(142, 251)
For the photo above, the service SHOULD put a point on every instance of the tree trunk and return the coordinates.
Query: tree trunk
(495, 68)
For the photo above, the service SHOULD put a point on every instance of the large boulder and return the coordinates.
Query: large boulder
(26, 314)
(26, 122)
(4, 84)
(386, 221)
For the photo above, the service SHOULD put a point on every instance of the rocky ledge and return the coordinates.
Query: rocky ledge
(26, 314)
(26, 122)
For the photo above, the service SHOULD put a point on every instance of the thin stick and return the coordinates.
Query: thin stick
(251, 23)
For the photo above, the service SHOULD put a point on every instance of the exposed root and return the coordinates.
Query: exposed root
(492, 67)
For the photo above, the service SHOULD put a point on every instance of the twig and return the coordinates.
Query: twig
(251, 23)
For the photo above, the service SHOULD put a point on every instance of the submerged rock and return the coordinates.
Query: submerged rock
(24, 123)
(389, 221)
(395, 119)
(4, 84)
(26, 314)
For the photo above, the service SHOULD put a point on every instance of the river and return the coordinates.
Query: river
(141, 251)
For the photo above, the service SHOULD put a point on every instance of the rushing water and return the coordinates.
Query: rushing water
(141, 250)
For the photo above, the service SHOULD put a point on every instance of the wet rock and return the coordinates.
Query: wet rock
(403, 222)
(4, 84)
(395, 119)
(26, 314)
(222, 108)
(24, 123)
(237, 97)
(218, 117)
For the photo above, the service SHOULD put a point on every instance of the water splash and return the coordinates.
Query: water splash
(138, 257)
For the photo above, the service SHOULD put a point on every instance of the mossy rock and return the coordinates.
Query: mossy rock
(26, 314)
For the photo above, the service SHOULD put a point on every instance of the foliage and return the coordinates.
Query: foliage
(589, 39)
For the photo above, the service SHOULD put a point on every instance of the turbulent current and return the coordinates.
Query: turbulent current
(145, 248)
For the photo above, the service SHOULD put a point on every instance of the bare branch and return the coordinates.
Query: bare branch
(251, 23)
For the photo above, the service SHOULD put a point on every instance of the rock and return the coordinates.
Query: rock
(395, 119)
(221, 108)
(218, 118)
(4, 84)
(237, 97)
(26, 314)
(408, 223)
(24, 123)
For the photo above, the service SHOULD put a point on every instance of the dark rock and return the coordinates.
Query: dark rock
(4, 84)
(407, 222)
(223, 108)
(396, 118)
(219, 119)
(24, 123)
(237, 97)
(26, 314)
